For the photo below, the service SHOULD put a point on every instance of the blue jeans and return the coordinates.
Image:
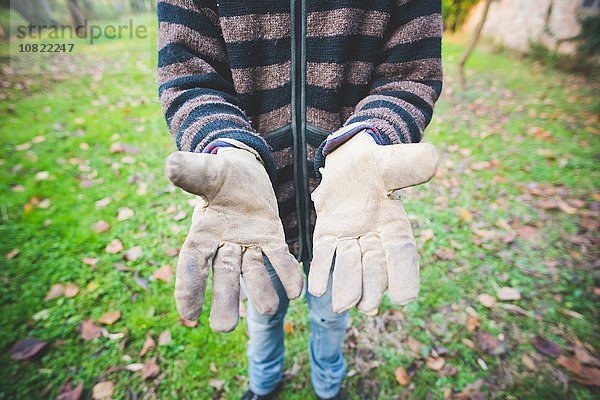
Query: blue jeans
(266, 348)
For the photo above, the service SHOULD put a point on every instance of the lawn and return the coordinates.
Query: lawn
(507, 233)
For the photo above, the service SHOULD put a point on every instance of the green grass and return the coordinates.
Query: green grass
(81, 116)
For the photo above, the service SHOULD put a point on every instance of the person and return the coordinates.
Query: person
(269, 101)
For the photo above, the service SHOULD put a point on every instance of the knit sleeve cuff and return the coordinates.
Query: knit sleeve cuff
(341, 136)
(255, 143)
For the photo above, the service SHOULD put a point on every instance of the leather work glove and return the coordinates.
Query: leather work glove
(362, 226)
(234, 223)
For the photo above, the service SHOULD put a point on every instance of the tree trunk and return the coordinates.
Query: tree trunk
(77, 18)
(469, 50)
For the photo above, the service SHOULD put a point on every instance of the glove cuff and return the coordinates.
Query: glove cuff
(341, 136)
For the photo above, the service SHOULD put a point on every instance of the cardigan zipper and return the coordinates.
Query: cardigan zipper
(303, 205)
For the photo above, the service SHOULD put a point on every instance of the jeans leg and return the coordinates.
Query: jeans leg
(265, 347)
(327, 334)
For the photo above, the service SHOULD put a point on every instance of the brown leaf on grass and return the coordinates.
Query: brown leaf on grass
(426, 235)
(124, 213)
(401, 376)
(547, 204)
(487, 300)
(415, 346)
(529, 233)
(473, 322)
(25, 349)
(508, 293)
(88, 330)
(164, 273)
(101, 226)
(180, 216)
(217, 384)
(150, 369)
(288, 327)
(55, 291)
(90, 262)
(566, 208)
(445, 253)
(435, 364)
(140, 281)
(135, 367)
(465, 215)
(546, 346)
(149, 345)
(110, 317)
(164, 338)
(12, 254)
(114, 247)
(528, 361)
(585, 375)
(172, 252)
(472, 391)
(68, 392)
(490, 343)
(585, 357)
(102, 203)
(480, 165)
(71, 290)
(103, 390)
(133, 253)
(187, 322)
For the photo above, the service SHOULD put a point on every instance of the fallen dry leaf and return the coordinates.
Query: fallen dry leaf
(426, 235)
(465, 215)
(218, 384)
(473, 322)
(529, 233)
(480, 165)
(12, 254)
(68, 392)
(187, 322)
(89, 330)
(101, 226)
(124, 213)
(102, 203)
(401, 376)
(71, 290)
(164, 338)
(585, 357)
(528, 362)
(103, 390)
(180, 216)
(490, 343)
(487, 300)
(164, 273)
(150, 369)
(288, 327)
(25, 349)
(415, 346)
(508, 293)
(114, 247)
(110, 317)
(585, 375)
(148, 346)
(55, 291)
(133, 253)
(91, 262)
(135, 367)
(546, 346)
(435, 364)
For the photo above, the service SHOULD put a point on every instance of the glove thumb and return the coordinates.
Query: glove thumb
(199, 174)
(405, 165)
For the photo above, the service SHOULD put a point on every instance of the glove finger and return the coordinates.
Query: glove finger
(320, 267)
(347, 275)
(402, 266)
(192, 273)
(374, 274)
(288, 270)
(200, 174)
(405, 165)
(224, 312)
(259, 286)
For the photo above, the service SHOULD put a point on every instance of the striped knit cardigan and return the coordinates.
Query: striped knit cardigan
(280, 76)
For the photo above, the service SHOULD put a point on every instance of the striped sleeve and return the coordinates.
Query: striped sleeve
(408, 74)
(195, 84)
